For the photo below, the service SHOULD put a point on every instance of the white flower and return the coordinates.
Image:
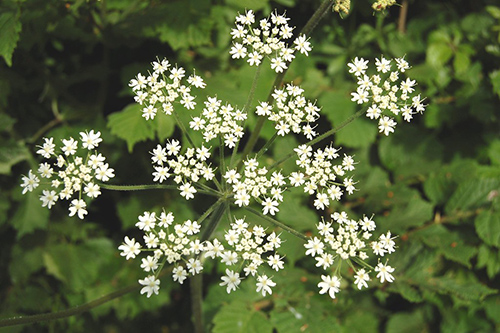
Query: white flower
(187, 191)
(151, 285)
(383, 65)
(386, 125)
(361, 278)
(104, 172)
(90, 140)
(30, 182)
(384, 272)
(358, 66)
(302, 45)
(314, 246)
(264, 285)
(48, 198)
(194, 266)
(275, 262)
(149, 264)
(69, 146)
(269, 206)
(78, 206)
(330, 285)
(147, 221)
(278, 64)
(92, 190)
(179, 274)
(130, 248)
(47, 149)
(231, 280)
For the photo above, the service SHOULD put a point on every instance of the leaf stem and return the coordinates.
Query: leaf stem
(21, 320)
(277, 223)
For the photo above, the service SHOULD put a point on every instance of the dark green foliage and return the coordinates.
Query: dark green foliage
(64, 68)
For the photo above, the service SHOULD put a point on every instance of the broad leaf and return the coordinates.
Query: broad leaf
(130, 126)
(10, 28)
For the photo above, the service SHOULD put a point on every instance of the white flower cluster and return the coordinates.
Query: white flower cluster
(248, 247)
(220, 121)
(348, 240)
(293, 112)
(254, 183)
(386, 92)
(266, 40)
(178, 244)
(163, 87)
(168, 242)
(187, 168)
(70, 174)
(320, 174)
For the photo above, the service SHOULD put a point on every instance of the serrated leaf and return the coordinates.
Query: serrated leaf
(410, 293)
(471, 194)
(407, 157)
(236, 317)
(407, 210)
(30, 215)
(489, 258)
(11, 153)
(488, 227)
(130, 126)
(78, 265)
(10, 28)
(469, 290)
(406, 323)
(448, 243)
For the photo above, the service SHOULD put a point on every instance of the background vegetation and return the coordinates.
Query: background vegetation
(435, 182)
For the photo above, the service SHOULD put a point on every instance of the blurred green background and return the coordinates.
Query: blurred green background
(435, 182)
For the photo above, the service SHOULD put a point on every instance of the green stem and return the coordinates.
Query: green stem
(277, 223)
(21, 320)
(218, 212)
(196, 287)
(136, 187)
(246, 107)
(183, 128)
(320, 138)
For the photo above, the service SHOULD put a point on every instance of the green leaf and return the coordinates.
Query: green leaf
(408, 210)
(409, 292)
(10, 28)
(448, 244)
(406, 156)
(406, 323)
(494, 152)
(489, 258)
(464, 289)
(128, 210)
(471, 194)
(295, 214)
(441, 184)
(237, 317)
(78, 265)
(492, 307)
(30, 215)
(488, 227)
(338, 107)
(438, 54)
(24, 263)
(11, 153)
(130, 126)
(165, 126)
(495, 81)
